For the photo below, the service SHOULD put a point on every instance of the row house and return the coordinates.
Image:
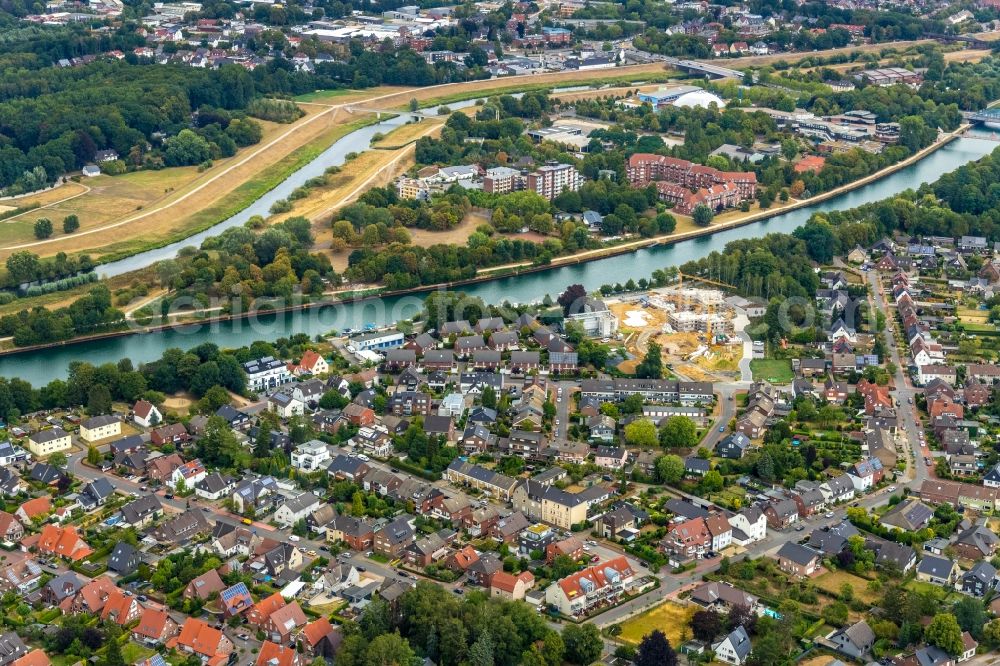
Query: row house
(651, 390)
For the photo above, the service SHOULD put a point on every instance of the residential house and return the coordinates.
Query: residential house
(855, 641)
(295, 509)
(749, 526)
(46, 442)
(733, 447)
(187, 475)
(797, 559)
(781, 513)
(511, 587)
(938, 570)
(235, 600)
(11, 529)
(610, 457)
(357, 533)
(124, 559)
(980, 580)
(34, 508)
(582, 591)
(910, 515)
(687, 539)
(976, 543)
(254, 494)
(155, 626)
(100, 427)
(273, 654)
(734, 648)
(175, 433)
(145, 414)
(62, 542)
(319, 638)
(181, 529)
(721, 596)
(393, 538)
(199, 638)
(21, 577)
(214, 486)
(204, 586)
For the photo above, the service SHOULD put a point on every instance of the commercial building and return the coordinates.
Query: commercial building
(377, 340)
(890, 76)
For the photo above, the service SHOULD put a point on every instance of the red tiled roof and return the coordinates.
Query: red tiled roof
(200, 637)
(570, 585)
(33, 658)
(266, 607)
(142, 409)
(36, 507)
(315, 631)
(64, 542)
(152, 622)
(272, 654)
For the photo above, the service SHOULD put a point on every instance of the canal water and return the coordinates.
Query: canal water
(40, 367)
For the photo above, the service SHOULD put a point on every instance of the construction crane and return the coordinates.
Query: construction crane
(697, 278)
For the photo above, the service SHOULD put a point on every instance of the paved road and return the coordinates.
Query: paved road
(904, 393)
(562, 407)
(727, 410)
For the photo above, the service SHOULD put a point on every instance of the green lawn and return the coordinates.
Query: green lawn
(324, 94)
(973, 327)
(919, 586)
(776, 371)
(133, 652)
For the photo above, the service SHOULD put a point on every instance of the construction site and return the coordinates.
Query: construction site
(694, 326)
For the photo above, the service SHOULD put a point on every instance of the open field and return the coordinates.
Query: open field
(832, 581)
(670, 618)
(110, 199)
(345, 95)
(369, 169)
(189, 201)
(772, 370)
(48, 197)
(406, 134)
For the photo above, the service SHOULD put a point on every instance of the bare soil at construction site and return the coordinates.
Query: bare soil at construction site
(676, 347)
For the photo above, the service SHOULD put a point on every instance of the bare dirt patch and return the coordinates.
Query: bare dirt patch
(180, 403)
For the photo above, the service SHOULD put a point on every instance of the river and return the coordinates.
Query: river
(40, 367)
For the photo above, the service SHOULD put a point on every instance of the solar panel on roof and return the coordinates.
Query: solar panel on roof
(238, 590)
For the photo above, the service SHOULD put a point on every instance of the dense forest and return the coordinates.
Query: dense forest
(240, 267)
(965, 201)
(53, 120)
(56, 119)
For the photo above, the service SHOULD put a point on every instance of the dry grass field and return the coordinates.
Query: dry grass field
(670, 618)
(832, 581)
(127, 213)
(406, 134)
